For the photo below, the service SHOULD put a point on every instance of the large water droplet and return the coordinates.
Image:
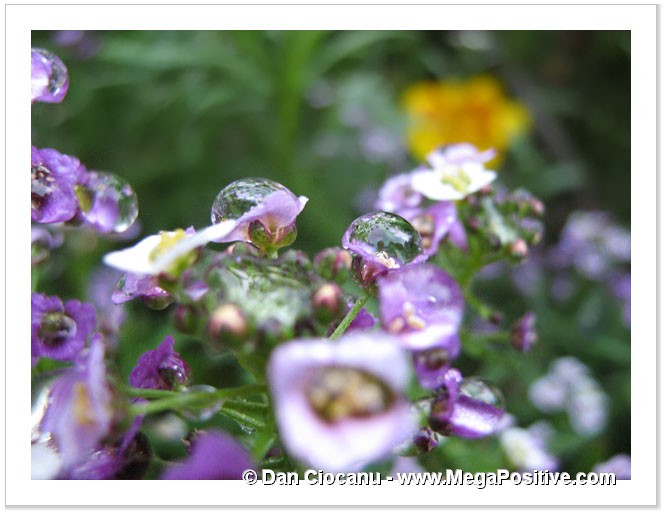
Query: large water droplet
(107, 202)
(385, 236)
(58, 77)
(241, 196)
(208, 407)
(482, 390)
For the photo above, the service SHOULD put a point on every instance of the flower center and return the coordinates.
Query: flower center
(457, 178)
(83, 409)
(168, 240)
(384, 259)
(56, 328)
(338, 393)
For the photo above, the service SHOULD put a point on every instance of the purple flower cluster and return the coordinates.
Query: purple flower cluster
(62, 189)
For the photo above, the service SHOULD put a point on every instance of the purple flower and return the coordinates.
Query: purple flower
(468, 407)
(161, 368)
(397, 195)
(83, 43)
(431, 366)
(49, 77)
(340, 405)
(432, 223)
(53, 176)
(146, 288)
(380, 242)
(80, 408)
(619, 465)
(523, 332)
(423, 306)
(42, 241)
(59, 331)
(215, 456)
(264, 212)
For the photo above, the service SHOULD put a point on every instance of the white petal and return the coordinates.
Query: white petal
(135, 259)
(429, 183)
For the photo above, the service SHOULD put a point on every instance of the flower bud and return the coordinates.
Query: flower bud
(327, 302)
(518, 248)
(227, 323)
(186, 317)
(333, 264)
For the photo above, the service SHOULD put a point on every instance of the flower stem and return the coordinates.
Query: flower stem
(349, 317)
(172, 400)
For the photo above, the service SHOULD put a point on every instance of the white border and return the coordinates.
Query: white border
(641, 20)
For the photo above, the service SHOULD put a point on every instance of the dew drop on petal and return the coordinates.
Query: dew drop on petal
(239, 197)
(482, 390)
(57, 75)
(386, 236)
(107, 202)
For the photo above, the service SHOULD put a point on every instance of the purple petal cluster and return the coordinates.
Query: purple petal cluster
(161, 368)
(423, 306)
(59, 331)
(54, 176)
(215, 456)
(80, 408)
(340, 405)
(146, 288)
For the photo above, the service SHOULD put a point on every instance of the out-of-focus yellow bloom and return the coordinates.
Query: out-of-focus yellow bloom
(476, 111)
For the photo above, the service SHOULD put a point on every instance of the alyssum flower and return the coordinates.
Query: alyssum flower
(340, 405)
(423, 306)
(59, 331)
(80, 409)
(53, 177)
(456, 171)
(161, 368)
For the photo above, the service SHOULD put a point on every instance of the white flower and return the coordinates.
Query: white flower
(457, 171)
(526, 451)
(162, 252)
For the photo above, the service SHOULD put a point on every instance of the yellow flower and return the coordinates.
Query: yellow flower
(476, 111)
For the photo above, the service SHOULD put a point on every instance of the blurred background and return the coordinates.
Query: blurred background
(180, 115)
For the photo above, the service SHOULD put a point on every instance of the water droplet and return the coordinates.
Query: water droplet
(241, 196)
(247, 430)
(482, 390)
(196, 412)
(58, 78)
(386, 236)
(56, 328)
(107, 202)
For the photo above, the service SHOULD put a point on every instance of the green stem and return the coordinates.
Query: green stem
(349, 317)
(170, 400)
(483, 309)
